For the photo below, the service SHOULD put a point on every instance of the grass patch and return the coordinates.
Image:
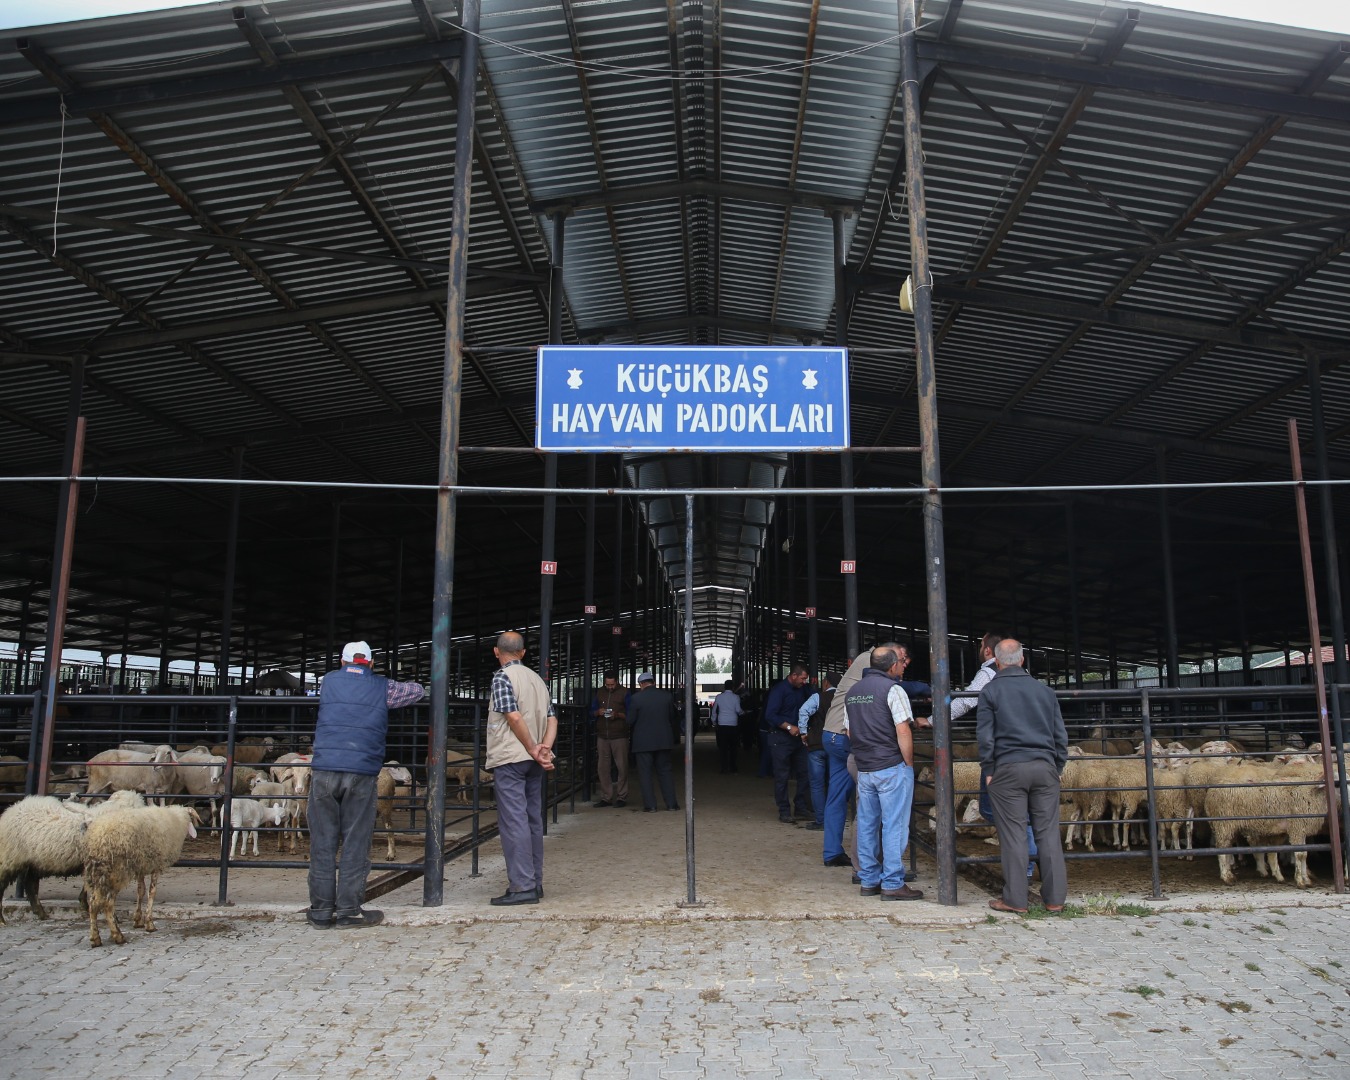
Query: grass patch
(1143, 990)
(1264, 929)
(1320, 971)
(1334, 963)
(1252, 967)
(1187, 921)
(1235, 1006)
(1101, 904)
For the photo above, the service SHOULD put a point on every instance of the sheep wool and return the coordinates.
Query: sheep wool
(41, 837)
(128, 845)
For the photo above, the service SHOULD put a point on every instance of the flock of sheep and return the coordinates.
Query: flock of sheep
(1262, 801)
(113, 835)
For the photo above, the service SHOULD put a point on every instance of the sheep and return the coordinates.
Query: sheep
(244, 778)
(42, 836)
(965, 783)
(126, 845)
(274, 794)
(385, 786)
(203, 777)
(1267, 803)
(133, 770)
(250, 751)
(459, 770)
(247, 815)
(293, 770)
(1081, 782)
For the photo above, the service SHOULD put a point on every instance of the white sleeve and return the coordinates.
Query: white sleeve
(898, 700)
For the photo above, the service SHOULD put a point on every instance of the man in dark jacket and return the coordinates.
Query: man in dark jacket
(1023, 747)
(651, 718)
(354, 706)
(781, 710)
(610, 709)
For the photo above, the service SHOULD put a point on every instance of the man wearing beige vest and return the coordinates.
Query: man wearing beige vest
(520, 735)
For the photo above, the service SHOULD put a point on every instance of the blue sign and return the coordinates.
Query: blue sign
(607, 399)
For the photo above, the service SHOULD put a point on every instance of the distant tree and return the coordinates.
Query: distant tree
(707, 664)
(726, 665)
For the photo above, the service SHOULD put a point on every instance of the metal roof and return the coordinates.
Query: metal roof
(240, 213)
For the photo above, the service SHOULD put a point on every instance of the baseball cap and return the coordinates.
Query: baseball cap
(356, 652)
(646, 676)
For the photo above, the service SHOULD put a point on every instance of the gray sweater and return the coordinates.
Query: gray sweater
(1018, 719)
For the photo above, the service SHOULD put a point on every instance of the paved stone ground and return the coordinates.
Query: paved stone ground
(1256, 993)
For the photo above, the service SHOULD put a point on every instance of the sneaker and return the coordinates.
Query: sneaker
(902, 893)
(369, 917)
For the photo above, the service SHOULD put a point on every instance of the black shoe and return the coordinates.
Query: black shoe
(870, 890)
(787, 819)
(368, 917)
(619, 802)
(857, 880)
(815, 826)
(675, 807)
(902, 893)
(839, 860)
(509, 898)
(539, 891)
(320, 922)
(649, 809)
(601, 802)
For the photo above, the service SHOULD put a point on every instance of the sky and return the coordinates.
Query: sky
(1330, 15)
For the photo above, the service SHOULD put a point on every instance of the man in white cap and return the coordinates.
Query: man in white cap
(651, 716)
(349, 740)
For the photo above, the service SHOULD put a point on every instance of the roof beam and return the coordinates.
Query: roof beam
(1136, 80)
(611, 197)
(217, 83)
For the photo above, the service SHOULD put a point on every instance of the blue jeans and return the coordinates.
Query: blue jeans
(341, 811)
(884, 801)
(839, 786)
(816, 768)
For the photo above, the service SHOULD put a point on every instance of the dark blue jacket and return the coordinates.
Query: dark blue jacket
(783, 704)
(353, 721)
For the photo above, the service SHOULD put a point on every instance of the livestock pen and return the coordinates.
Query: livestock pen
(1160, 732)
(214, 748)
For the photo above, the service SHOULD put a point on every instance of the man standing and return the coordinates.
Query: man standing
(726, 717)
(1023, 747)
(521, 731)
(349, 740)
(962, 706)
(839, 781)
(611, 740)
(811, 723)
(651, 715)
(781, 710)
(879, 720)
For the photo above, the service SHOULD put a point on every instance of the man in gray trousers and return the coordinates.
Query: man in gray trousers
(1023, 747)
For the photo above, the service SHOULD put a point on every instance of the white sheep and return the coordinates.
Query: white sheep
(250, 751)
(152, 774)
(293, 770)
(126, 845)
(203, 777)
(275, 794)
(247, 816)
(459, 771)
(244, 777)
(42, 836)
(386, 784)
(1265, 804)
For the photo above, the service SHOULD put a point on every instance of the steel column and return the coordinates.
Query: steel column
(690, 678)
(548, 546)
(67, 503)
(1315, 659)
(1336, 614)
(1169, 588)
(433, 880)
(846, 460)
(588, 632)
(926, 390)
(231, 556)
(332, 591)
(812, 626)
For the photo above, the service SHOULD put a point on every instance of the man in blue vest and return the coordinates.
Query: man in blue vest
(879, 719)
(349, 739)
